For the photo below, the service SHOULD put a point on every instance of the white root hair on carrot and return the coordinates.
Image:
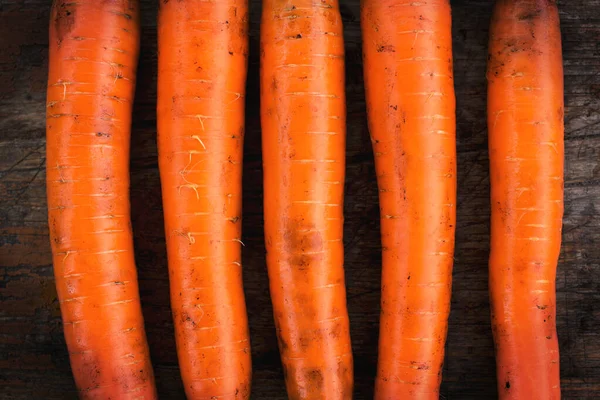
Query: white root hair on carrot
(199, 140)
(201, 122)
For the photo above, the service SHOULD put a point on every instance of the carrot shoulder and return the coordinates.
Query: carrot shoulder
(303, 123)
(91, 84)
(203, 51)
(411, 111)
(525, 121)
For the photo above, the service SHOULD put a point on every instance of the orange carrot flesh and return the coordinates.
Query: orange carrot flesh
(407, 50)
(525, 122)
(203, 51)
(94, 48)
(303, 122)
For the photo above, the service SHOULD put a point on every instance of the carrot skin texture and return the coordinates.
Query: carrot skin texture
(303, 137)
(525, 122)
(407, 50)
(94, 48)
(203, 51)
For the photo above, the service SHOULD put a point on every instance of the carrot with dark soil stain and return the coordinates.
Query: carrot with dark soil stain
(409, 85)
(303, 122)
(94, 48)
(202, 63)
(525, 122)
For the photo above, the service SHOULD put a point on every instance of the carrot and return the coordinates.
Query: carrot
(91, 84)
(303, 123)
(407, 50)
(203, 52)
(525, 122)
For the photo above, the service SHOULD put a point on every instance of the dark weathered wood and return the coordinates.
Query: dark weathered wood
(33, 356)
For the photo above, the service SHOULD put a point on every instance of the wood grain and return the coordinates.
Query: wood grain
(33, 357)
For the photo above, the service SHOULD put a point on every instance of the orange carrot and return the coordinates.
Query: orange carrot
(525, 122)
(303, 121)
(94, 48)
(407, 49)
(203, 52)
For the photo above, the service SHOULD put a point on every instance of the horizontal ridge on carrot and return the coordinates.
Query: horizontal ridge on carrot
(94, 48)
(303, 116)
(202, 63)
(407, 48)
(526, 145)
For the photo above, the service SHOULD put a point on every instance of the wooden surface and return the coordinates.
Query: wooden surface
(33, 356)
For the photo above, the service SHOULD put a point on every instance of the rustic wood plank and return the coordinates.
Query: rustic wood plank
(33, 357)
